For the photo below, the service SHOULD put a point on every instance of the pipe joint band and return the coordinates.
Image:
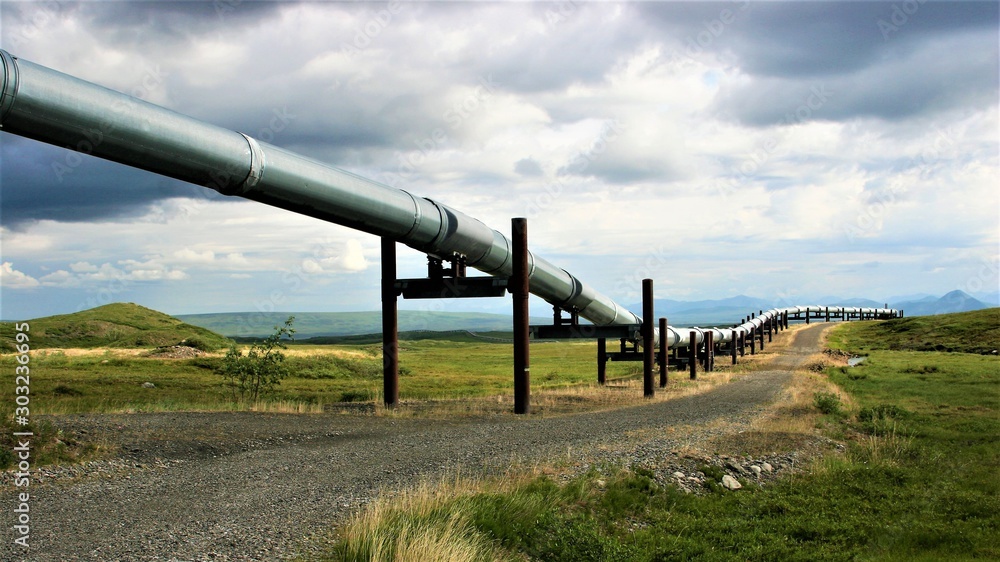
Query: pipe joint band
(8, 83)
(256, 167)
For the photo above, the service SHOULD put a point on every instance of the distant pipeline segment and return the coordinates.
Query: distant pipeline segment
(51, 107)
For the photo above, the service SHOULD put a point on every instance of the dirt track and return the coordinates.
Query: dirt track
(243, 486)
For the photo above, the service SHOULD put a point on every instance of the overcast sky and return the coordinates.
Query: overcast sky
(790, 151)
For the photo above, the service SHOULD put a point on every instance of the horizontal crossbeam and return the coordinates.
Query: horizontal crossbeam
(452, 287)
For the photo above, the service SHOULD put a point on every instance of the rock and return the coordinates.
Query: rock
(731, 483)
(148, 385)
(767, 467)
(679, 475)
(735, 467)
(755, 470)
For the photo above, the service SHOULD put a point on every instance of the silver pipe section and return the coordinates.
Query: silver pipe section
(48, 106)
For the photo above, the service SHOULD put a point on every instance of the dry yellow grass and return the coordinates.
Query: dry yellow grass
(421, 524)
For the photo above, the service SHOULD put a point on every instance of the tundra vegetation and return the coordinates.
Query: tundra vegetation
(916, 480)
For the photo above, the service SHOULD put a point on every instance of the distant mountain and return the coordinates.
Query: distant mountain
(911, 297)
(325, 324)
(718, 312)
(706, 312)
(855, 302)
(955, 301)
(992, 299)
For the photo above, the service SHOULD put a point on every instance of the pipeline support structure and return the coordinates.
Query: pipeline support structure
(54, 108)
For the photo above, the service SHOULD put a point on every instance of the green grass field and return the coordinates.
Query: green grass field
(112, 380)
(919, 481)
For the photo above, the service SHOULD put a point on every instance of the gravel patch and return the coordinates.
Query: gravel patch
(249, 486)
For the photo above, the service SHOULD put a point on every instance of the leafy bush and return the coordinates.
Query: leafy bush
(356, 396)
(881, 412)
(827, 402)
(64, 390)
(199, 344)
(261, 369)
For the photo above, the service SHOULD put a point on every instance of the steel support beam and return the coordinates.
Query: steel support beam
(390, 325)
(648, 338)
(733, 338)
(664, 362)
(709, 351)
(519, 292)
(602, 361)
(693, 354)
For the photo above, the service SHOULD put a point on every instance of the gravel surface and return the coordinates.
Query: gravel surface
(246, 486)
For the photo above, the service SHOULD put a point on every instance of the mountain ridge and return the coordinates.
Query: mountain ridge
(717, 312)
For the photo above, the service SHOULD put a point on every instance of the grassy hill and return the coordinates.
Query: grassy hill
(113, 325)
(977, 331)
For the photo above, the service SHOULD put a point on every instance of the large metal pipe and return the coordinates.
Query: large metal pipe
(55, 108)
(48, 106)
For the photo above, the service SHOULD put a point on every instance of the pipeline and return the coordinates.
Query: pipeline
(51, 107)
(680, 337)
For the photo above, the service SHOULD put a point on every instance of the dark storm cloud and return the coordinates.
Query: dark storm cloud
(170, 21)
(888, 60)
(52, 183)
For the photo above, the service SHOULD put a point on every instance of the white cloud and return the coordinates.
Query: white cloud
(83, 267)
(14, 279)
(877, 173)
(61, 278)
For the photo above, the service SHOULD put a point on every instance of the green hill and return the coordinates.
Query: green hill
(977, 331)
(113, 325)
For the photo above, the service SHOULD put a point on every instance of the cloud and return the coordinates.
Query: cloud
(780, 138)
(13, 279)
(917, 83)
(349, 259)
(50, 183)
(528, 167)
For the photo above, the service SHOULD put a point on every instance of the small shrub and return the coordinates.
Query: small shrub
(827, 402)
(199, 344)
(63, 390)
(356, 396)
(261, 369)
(882, 412)
(7, 458)
(921, 370)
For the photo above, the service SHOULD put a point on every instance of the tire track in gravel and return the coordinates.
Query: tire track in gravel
(245, 486)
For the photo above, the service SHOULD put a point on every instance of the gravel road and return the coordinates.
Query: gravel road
(245, 486)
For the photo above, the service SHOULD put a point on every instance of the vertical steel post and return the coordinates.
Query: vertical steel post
(762, 337)
(602, 361)
(753, 340)
(390, 325)
(663, 352)
(648, 353)
(807, 315)
(743, 343)
(519, 291)
(693, 354)
(770, 329)
(828, 314)
(732, 345)
(709, 351)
